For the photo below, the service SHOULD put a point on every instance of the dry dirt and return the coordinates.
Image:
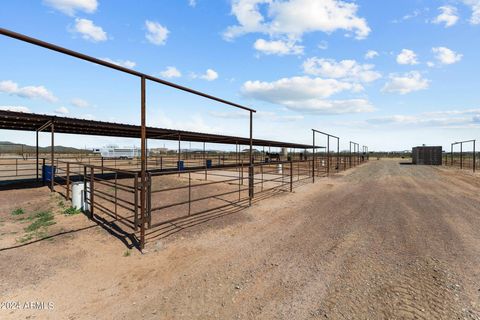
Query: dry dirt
(382, 241)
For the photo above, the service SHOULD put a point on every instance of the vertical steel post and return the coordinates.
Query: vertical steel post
(474, 157)
(461, 155)
(68, 180)
(92, 191)
(451, 154)
(250, 168)
(291, 175)
(52, 175)
(143, 164)
(328, 155)
(36, 151)
(338, 154)
(313, 166)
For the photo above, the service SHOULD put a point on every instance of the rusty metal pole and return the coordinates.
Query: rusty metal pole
(250, 168)
(474, 157)
(313, 166)
(338, 154)
(36, 151)
(143, 164)
(68, 180)
(451, 155)
(328, 155)
(52, 175)
(461, 155)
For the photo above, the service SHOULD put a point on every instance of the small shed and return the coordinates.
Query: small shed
(426, 155)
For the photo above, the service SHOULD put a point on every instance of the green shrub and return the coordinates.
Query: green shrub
(40, 219)
(71, 211)
(18, 211)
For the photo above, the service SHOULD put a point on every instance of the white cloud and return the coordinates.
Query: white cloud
(30, 92)
(89, 30)
(295, 88)
(192, 3)
(123, 63)
(371, 54)
(442, 119)
(15, 108)
(69, 7)
(475, 6)
(407, 57)
(305, 94)
(171, 72)
(446, 56)
(345, 69)
(156, 33)
(278, 47)
(80, 103)
(209, 75)
(331, 106)
(406, 83)
(290, 20)
(62, 111)
(448, 15)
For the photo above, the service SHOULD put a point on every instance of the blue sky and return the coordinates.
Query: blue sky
(387, 74)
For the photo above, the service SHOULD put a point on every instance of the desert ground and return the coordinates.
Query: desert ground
(380, 241)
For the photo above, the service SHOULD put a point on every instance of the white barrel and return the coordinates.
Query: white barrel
(78, 196)
(280, 168)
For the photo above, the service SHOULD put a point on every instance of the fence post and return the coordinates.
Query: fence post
(189, 193)
(68, 180)
(102, 165)
(16, 167)
(92, 198)
(291, 175)
(135, 185)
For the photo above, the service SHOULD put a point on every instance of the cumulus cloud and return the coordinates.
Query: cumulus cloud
(306, 94)
(209, 75)
(70, 7)
(371, 54)
(30, 92)
(407, 57)
(448, 16)
(289, 20)
(446, 56)
(15, 108)
(345, 69)
(475, 6)
(80, 103)
(406, 83)
(122, 63)
(278, 47)
(171, 72)
(62, 111)
(295, 88)
(89, 30)
(156, 33)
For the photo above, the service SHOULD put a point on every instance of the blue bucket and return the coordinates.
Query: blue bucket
(209, 163)
(47, 173)
(180, 165)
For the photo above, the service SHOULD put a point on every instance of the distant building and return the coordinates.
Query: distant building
(426, 155)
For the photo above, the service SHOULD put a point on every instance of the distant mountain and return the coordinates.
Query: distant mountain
(10, 147)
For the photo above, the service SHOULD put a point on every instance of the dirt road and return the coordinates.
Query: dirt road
(382, 241)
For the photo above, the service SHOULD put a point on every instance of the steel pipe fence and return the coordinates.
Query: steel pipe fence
(113, 194)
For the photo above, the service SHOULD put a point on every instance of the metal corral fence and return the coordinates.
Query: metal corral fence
(463, 155)
(177, 196)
